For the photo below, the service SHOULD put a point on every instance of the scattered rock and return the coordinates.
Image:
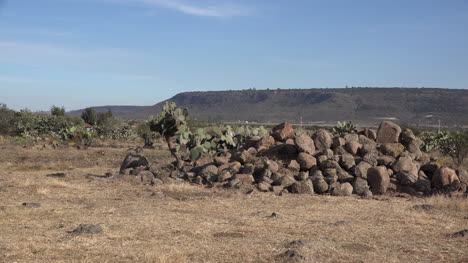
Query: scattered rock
(133, 161)
(290, 256)
(56, 175)
(86, 229)
(274, 215)
(341, 222)
(31, 205)
(461, 233)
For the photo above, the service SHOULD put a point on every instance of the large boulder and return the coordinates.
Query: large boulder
(329, 164)
(386, 160)
(370, 133)
(244, 179)
(388, 132)
(265, 142)
(361, 169)
(319, 183)
(337, 142)
(322, 140)
(347, 161)
(133, 161)
(243, 157)
(353, 147)
(445, 179)
(344, 177)
(378, 179)
(302, 187)
(406, 170)
(283, 131)
(360, 186)
(463, 177)
(209, 173)
(345, 189)
(284, 181)
(423, 184)
(306, 161)
(305, 144)
(392, 149)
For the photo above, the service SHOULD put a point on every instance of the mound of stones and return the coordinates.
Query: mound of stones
(365, 163)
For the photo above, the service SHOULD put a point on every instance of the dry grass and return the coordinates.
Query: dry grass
(185, 223)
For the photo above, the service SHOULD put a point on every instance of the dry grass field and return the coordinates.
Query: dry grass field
(180, 222)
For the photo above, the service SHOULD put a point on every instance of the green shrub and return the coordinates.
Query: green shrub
(6, 118)
(57, 111)
(89, 116)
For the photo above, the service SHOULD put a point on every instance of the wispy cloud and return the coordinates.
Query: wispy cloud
(46, 53)
(221, 10)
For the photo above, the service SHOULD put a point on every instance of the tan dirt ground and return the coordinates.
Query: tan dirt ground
(186, 223)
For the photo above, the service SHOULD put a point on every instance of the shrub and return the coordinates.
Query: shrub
(6, 118)
(344, 127)
(57, 111)
(89, 116)
(455, 146)
(144, 131)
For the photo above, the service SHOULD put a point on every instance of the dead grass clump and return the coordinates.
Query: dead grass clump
(458, 203)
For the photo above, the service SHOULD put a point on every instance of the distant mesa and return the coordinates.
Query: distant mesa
(422, 106)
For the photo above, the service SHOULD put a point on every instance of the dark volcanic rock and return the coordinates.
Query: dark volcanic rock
(290, 256)
(32, 205)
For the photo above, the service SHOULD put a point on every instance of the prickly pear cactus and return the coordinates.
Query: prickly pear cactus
(170, 121)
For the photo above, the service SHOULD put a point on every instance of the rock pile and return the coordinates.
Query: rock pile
(365, 163)
(368, 162)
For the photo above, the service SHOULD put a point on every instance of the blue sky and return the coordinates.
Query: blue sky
(78, 53)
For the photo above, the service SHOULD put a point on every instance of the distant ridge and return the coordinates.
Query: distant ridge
(369, 105)
(116, 110)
